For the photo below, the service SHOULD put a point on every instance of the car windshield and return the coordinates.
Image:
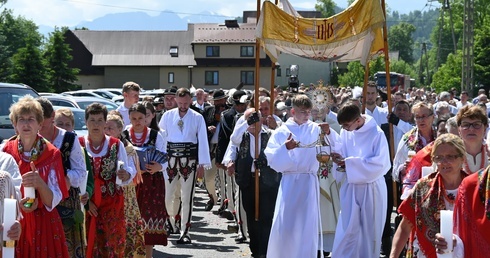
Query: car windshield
(9, 96)
(79, 117)
(110, 106)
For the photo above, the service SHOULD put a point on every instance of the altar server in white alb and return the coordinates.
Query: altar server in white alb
(296, 221)
(187, 147)
(361, 159)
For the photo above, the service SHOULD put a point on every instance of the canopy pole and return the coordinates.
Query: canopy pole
(256, 104)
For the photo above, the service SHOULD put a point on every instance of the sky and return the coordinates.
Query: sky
(73, 12)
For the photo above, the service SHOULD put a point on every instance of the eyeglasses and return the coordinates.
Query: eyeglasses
(476, 125)
(423, 117)
(347, 126)
(441, 158)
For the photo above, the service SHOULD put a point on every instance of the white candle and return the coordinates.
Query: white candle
(83, 186)
(9, 214)
(120, 165)
(447, 231)
(426, 171)
(410, 155)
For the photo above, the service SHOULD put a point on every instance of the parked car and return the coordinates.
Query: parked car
(99, 93)
(10, 94)
(79, 117)
(79, 102)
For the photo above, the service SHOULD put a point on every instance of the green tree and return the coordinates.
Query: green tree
(57, 55)
(354, 75)
(2, 3)
(400, 39)
(17, 32)
(326, 7)
(449, 74)
(28, 68)
(482, 56)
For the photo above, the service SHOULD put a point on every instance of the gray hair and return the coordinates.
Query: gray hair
(451, 124)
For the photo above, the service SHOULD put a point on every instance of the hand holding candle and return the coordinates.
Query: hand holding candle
(447, 231)
(120, 165)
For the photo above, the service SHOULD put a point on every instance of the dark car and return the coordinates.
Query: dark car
(9, 94)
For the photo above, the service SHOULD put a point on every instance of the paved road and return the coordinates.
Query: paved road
(210, 237)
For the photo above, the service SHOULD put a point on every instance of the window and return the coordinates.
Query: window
(211, 78)
(174, 51)
(247, 51)
(171, 77)
(288, 72)
(247, 77)
(212, 51)
(278, 72)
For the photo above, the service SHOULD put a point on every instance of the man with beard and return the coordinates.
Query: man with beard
(212, 116)
(188, 153)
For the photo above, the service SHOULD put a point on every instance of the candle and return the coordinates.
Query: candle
(29, 192)
(447, 231)
(83, 186)
(9, 214)
(426, 171)
(120, 165)
(410, 155)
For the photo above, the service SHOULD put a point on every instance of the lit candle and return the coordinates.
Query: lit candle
(83, 186)
(29, 192)
(410, 155)
(447, 231)
(9, 214)
(427, 171)
(120, 165)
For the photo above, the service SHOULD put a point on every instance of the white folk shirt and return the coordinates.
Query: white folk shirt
(121, 156)
(297, 211)
(379, 114)
(78, 170)
(363, 194)
(194, 130)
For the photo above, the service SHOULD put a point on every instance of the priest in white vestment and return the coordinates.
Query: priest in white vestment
(361, 161)
(296, 221)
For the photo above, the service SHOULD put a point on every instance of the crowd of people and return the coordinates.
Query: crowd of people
(130, 182)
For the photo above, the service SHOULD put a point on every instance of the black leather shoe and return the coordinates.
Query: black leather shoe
(184, 240)
(209, 205)
(228, 215)
(233, 228)
(240, 240)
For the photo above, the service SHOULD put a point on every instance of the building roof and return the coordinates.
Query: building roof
(137, 48)
(218, 33)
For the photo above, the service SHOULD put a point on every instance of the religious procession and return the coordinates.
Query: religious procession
(309, 170)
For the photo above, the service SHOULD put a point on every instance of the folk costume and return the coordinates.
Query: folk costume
(422, 208)
(472, 214)
(363, 194)
(151, 191)
(245, 174)
(70, 208)
(187, 147)
(42, 231)
(104, 231)
(297, 211)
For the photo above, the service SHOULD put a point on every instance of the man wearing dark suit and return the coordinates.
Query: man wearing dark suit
(212, 116)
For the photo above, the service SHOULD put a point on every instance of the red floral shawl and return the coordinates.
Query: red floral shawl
(422, 208)
(471, 214)
(414, 169)
(50, 158)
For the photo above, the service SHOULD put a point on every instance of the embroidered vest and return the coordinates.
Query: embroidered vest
(151, 141)
(268, 176)
(66, 147)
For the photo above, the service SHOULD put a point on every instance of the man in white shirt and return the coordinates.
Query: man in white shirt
(131, 94)
(379, 114)
(200, 101)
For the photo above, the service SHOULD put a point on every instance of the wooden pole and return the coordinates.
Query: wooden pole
(388, 92)
(256, 103)
(273, 81)
(364, 89)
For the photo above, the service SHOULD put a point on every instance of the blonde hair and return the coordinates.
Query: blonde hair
(26, 105)
(117, 119)
(451, 139)
(66, 112)
(419, 105)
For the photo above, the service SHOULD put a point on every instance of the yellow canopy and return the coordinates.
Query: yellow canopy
(354, 34)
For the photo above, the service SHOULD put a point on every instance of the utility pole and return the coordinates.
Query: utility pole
(445, 8)
(467, 78)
